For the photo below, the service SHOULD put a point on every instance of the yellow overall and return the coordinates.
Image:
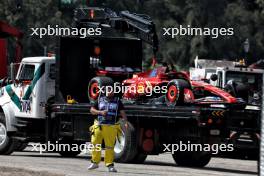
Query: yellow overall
(108, 133)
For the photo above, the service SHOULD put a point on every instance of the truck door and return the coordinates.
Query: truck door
(30, 90)
(50, 80)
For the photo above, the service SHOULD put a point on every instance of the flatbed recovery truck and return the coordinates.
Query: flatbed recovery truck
(35, 108)
(38, 106)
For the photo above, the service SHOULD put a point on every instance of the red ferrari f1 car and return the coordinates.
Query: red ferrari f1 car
(176, 88)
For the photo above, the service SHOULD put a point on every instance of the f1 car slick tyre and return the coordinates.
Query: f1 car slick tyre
(192, 159)
(125, 148)
(93, 87)
(176, 90)
(7, 143)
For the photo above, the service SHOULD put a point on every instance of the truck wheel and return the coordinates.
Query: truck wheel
(69, 154)
(21, 146)
(125, 148)
(177, 90)
(192, 159)
(139, 158)
(93, 87)
(7, 143)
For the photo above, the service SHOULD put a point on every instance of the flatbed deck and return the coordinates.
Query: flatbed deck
(191, 111)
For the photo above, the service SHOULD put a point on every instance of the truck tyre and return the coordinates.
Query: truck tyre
(93, 91)
(7, 143)
(192, 159)
(21, 146)
(176, 90)
(70, 153)
(139, 158)
(125, 148)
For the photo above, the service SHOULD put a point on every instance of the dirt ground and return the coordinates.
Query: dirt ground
(8, 171)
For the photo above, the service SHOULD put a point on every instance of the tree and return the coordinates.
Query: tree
(245, 16)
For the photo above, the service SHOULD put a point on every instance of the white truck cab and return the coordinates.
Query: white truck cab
(221, 72)
(225, 74)
(225, 71)
(26, 97)
(253, 76)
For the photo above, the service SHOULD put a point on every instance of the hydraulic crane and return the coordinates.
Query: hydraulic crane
(139, 25)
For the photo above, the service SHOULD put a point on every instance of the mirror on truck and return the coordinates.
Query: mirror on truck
(213, 77)
(11, 75)
(13, 71)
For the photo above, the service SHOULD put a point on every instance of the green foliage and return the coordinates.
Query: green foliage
(245, 16)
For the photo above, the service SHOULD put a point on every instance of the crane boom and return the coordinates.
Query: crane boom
(139, 25)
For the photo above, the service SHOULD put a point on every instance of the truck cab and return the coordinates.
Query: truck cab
(26, 97)
(243, 76)
(224, 74)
